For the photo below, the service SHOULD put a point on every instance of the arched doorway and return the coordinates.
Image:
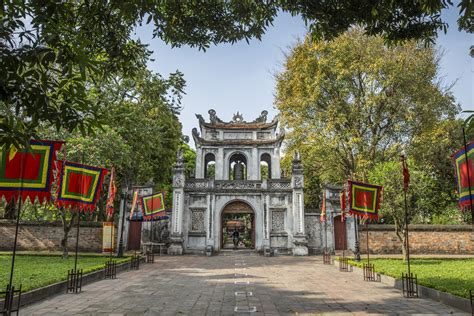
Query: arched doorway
(238, 216)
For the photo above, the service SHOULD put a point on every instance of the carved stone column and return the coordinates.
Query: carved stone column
(297, 181)
(199, 172)
(220, 164)
(176, 237)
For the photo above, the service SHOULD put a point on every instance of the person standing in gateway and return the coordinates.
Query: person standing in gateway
(235, 238)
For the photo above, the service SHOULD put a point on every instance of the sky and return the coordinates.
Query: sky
(240, 77)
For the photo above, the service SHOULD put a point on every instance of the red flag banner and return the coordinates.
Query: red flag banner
(109, 207)
(322, 218)
(364, 199)
(406, 174)
(134, 204)
(463, 177)
(79, 186)
(342, 201)
(153, 206)
(28, 172)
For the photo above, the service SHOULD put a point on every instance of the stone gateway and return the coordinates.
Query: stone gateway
(238, 197)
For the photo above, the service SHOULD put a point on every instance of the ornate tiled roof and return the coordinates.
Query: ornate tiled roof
(237, 122)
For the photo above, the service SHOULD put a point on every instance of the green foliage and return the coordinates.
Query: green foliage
(421, 196)
(52, 52)
(34, 271)
(263, 171)
(469, 121)
(211, 171)
(189, 156)
(447, 275)
(353, 102)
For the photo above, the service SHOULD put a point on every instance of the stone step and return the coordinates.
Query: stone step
(230, 252)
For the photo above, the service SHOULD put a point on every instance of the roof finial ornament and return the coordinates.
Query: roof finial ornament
(296, 163)
(213, 117)
(238, 118)
(262, 118)
(179, 159)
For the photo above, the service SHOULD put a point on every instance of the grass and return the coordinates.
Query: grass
(37, 270)
(455, 276)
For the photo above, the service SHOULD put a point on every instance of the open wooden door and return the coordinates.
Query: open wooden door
(340, 241)
(134, 235)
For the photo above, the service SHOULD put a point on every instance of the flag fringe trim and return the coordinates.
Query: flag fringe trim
(363, 215)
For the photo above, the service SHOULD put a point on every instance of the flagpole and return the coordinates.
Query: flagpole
(123, 203)
(357, 246)
(111, 237)
(468, 176)
(12, 269)
(367, 237)
(77, 240)
(325, 236)
(405, 189)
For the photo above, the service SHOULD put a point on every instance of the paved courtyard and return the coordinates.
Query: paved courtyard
(236, 284)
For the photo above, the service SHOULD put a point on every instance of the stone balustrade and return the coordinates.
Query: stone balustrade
(238, 185)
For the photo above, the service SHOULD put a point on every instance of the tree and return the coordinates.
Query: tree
(52, 51)
(419, 196)
(140, 139)
(353, 102)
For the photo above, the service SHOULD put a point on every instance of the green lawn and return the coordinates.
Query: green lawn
(455, 276)
(34, 271)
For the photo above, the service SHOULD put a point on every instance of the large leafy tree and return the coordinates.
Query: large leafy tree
(51, 51)
(354, 102)
(140, 137)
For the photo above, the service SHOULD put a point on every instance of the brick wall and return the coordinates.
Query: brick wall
(424, 239)
(41, 236)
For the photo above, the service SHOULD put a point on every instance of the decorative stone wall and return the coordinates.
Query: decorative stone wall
(424, 239)
(47, 237)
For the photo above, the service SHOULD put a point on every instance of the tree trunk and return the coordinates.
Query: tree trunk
(10, 210)
(67, 225)
(400, 232)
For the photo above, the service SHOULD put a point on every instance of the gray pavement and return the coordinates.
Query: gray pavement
(237, 284)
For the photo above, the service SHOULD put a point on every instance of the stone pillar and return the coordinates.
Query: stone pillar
(267, 228)
(299, 238)
(199, 172)
(220, 164)
(176, 237)
(276, 172)
(253, 168)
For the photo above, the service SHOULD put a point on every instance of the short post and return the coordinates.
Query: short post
(344, 263)
(471, 296)
(135, 262)
(9, 305)
(150, 255)
(111, 269)
(369, 269)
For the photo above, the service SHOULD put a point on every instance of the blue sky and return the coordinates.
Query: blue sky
(239, 77)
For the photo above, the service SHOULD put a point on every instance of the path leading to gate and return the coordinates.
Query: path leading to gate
(234, 284)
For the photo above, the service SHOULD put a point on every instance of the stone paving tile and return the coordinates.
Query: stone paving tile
(198, 285)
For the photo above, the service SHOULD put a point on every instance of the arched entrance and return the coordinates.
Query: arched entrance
(238, 216)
